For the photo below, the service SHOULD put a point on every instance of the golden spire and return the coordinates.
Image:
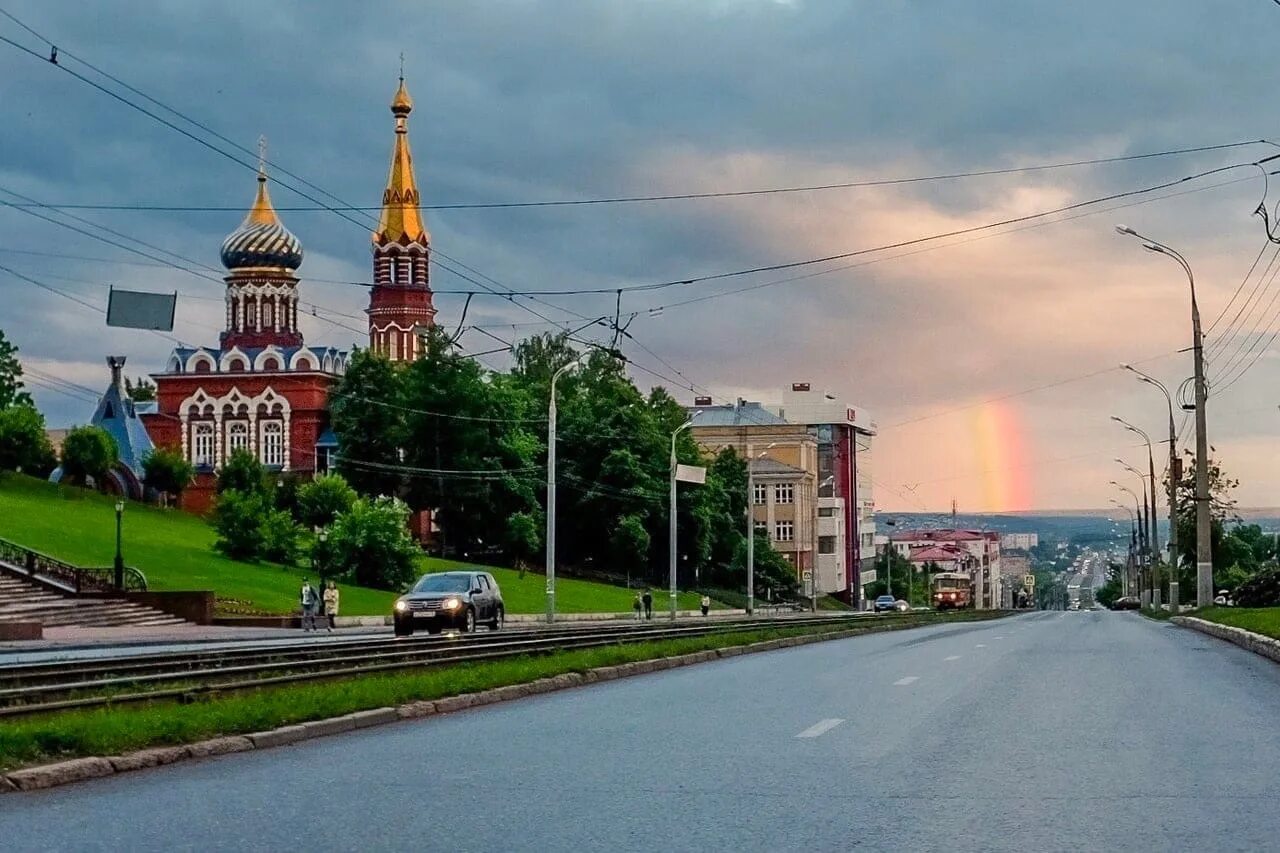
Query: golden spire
(401, 221)
(262, 213)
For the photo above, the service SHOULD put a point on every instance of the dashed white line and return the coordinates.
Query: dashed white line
(820, 728)
(952, 657)
(980, 646)
(999, 638)
(903, 682)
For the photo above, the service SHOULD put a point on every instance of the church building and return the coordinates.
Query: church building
(262, 388)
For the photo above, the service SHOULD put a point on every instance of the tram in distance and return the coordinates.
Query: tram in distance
(952, 591)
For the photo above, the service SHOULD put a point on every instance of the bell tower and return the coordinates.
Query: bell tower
(401, 297)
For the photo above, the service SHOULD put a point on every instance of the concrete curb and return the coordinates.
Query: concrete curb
(1256, 643)
(80, 769)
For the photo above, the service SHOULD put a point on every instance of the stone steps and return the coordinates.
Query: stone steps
(22, 601)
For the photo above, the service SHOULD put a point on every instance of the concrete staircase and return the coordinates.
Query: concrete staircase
(24, 601)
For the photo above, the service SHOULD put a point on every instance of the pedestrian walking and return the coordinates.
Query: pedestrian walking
(310, 600)
(706, 604)
(636, 605)
(331, 603)
(647, 598)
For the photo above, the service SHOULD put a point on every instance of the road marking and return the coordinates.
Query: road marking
(820, 728)
(980, 646)
(999, 638)
(952, 657)
(903, 682)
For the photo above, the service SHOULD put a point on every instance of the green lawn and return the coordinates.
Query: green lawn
(175, 551)
(1260, 620)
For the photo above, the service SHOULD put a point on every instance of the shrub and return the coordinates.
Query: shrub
(238, 520)
(280, 536)
(1261, 590)
(88, 451)
(242, 473)
(167, 471)
(371, 543)
(523, 537)
(324, 499)
(23, 443)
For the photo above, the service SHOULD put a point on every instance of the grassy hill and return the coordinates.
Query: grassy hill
(175, 551)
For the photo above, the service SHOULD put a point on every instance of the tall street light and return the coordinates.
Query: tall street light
(1137, 511)
(1145, 520)
(551, 490)
(671, 565)
(1133, 535)
(119, 563)
(750, 527)
(1204, 552)
(1175, 474)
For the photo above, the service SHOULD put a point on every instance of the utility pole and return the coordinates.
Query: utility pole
(751, 538)
(1204, 550)
(551, 491)
(671, 564)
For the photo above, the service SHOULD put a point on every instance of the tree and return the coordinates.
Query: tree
(324, 499)
(629, 542)
(243, 473)
(11, 386)
(279, 535)
(140, 390)
(523, 537)
(88, 452)
(367, 411)
(371, 543)
(167, 471)
(23, 443)
(238, 521)
(1221, 508)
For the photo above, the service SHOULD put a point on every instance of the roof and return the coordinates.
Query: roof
(117, 415)
(327, 438)
(936, 554)
(253, 352)
(401, 220)
(773, 466)
(942, 534)
(746, 414)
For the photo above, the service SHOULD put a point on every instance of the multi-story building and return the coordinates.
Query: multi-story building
(1019, 541)
(784, 467)
(983, 546)
(843, 433)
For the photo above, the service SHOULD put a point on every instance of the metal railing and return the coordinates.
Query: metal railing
(70, 578)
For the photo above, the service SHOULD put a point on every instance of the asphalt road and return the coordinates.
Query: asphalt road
(1047, 731)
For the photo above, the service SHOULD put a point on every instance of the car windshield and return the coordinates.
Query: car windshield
(443, 583)
(885, 598)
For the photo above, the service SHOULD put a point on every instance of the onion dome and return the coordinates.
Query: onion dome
(261, 240)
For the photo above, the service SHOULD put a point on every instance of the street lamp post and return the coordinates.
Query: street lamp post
(1175, 470)
(551, 491)
(1144, 521)
(1153, 537)
(1133, 535)
(119, 562)
(1204, 551)
(671, 565)
(1141, 535)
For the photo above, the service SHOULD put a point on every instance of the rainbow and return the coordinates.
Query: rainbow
(996, 436)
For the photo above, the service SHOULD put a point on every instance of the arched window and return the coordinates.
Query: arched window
(268, 313)
(272, 444)
(204, 365)
(202, 436)
(237, 436)
(393, 345)
(269, 364)
(236, 365)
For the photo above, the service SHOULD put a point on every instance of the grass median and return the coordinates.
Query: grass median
(112, 731)
(1260, 620)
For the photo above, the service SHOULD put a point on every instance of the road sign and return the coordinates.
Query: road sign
(691, 474)
(806, 575)
(1029, 581)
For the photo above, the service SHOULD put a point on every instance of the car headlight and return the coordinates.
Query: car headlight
(451, 604)
(402, 606)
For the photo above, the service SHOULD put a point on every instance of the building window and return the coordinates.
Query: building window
(784, 493)
(761, 494)
(784, 531)
(393, 345)
(270, 364)
(237, 437)
(272, 444)
(202, 436)
(236, 365)
(826, 544)
(826, 512)
(762, 527)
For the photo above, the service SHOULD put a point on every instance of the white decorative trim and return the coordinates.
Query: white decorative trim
(201, 356)
(304, 355)
(270, 350)
(224, 365)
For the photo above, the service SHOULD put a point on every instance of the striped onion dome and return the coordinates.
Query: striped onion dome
(261, 240)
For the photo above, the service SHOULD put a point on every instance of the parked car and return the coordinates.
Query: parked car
(1127, 602)
(884, 602)
(442, 600)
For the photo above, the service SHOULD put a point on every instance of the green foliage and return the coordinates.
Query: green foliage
(167, 471)
(23, 443)
(895, 570)
(1261, 590)
(1222, 507)
(88, 452)
(243, 473)
(523, 537)
(324, 499)
(238, 520)
(368, 417)
(140, 391)
(280, 536)
(775, 577)
(629, 544)
(11, 387)
(371, 543)
(1113, 588)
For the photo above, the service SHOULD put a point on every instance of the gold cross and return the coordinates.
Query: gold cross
(262, 154)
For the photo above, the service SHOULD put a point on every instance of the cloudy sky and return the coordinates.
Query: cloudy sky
(988, 361)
